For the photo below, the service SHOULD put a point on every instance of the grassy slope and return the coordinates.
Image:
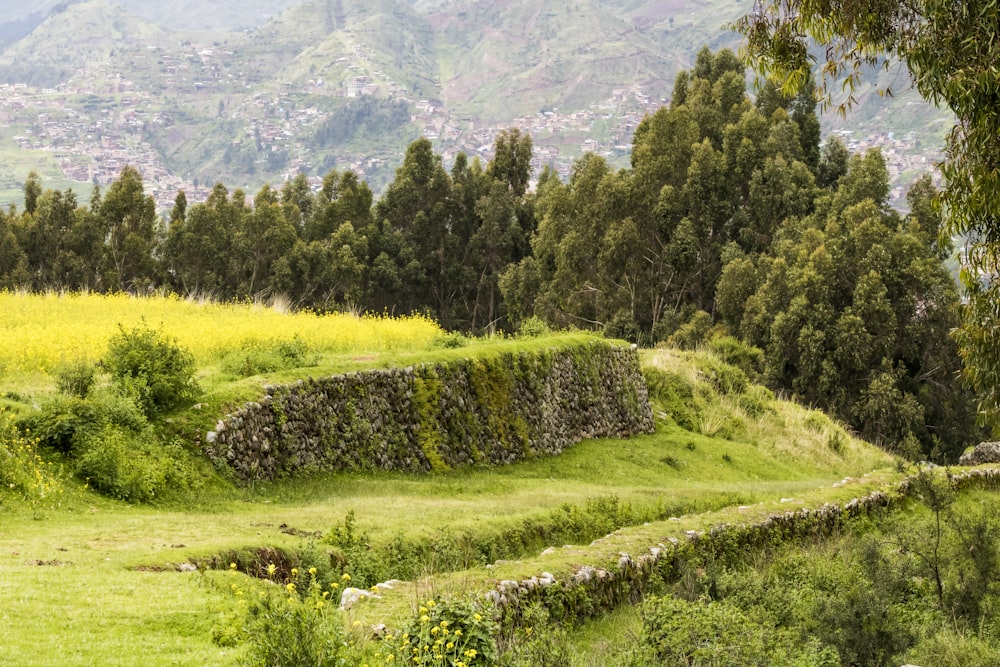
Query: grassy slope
(94, 608)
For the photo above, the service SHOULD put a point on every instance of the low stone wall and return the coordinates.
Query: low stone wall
(492, 411)
(590, 591)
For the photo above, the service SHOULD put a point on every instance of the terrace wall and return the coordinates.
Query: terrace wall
(490, 411)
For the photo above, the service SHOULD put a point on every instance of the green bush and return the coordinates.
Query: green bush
(735, 352)
(24, 474)
(673, 395)
(446, 632)
(756, 401)
(64, 421)
(724, 378)
(538, 641)
(293, 626)
(450, 340)
(76, 378)
(256, 357)
(118, 464)
(533, 327)
(150, 367)
(692, 333)
(677, 632)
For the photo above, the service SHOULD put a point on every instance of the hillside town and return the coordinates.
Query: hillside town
(99, 121)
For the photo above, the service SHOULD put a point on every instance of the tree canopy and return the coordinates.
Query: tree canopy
(951, 50)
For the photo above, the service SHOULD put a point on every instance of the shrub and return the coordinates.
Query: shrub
(533, 327)
(674, 395)
(756, 401)
(256, 357)
(64, 421)
(446, 632)
(58, 422)
(118, 464)
(75, 378)
(735, 352)
(293, 625)
(724, 378)
(152, 368)
(538, 641)
(692, 333)
(450, 340)
(677, 632)
(23, 472)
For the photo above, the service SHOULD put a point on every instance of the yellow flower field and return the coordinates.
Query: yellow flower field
(40, 331)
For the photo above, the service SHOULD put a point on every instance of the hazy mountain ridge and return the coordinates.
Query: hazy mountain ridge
(235, 91)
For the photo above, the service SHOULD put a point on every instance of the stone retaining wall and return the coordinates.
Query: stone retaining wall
(593, 590)
(488, 411)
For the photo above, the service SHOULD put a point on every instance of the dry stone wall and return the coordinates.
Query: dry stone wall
(590, 591)
(490, 411)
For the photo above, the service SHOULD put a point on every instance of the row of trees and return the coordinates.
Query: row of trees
(731, 218)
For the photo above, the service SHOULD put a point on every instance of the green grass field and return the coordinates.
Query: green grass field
(85, 580)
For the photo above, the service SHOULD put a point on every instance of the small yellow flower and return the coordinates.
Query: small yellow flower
(477, 617)
(345, 577)
(423, 610)
(290, 586)
(425, 618)
(232, 566)
(471, 653)
(295, 571)
(272, 568)
(312, 570)
(458, 633)
(430, 603)
(435, 630)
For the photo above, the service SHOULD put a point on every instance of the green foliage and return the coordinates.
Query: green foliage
(146, 364)
(446, 632)
(944, 52)
(537, 640)
(737, 353)
(852, 306)
(291, 626)
(76, 378)
(706, 632)
(120, 464)
(672, 394)
(693, 333)
(533, 327)
(24, 474)
(257, 357)
(124, 458)
(450, 340)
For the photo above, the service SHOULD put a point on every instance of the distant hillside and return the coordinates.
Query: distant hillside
(245, 91)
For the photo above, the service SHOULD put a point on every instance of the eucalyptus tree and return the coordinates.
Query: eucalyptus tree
(951, 50)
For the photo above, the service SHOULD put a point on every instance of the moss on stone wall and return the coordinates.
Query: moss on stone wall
(437, 417)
